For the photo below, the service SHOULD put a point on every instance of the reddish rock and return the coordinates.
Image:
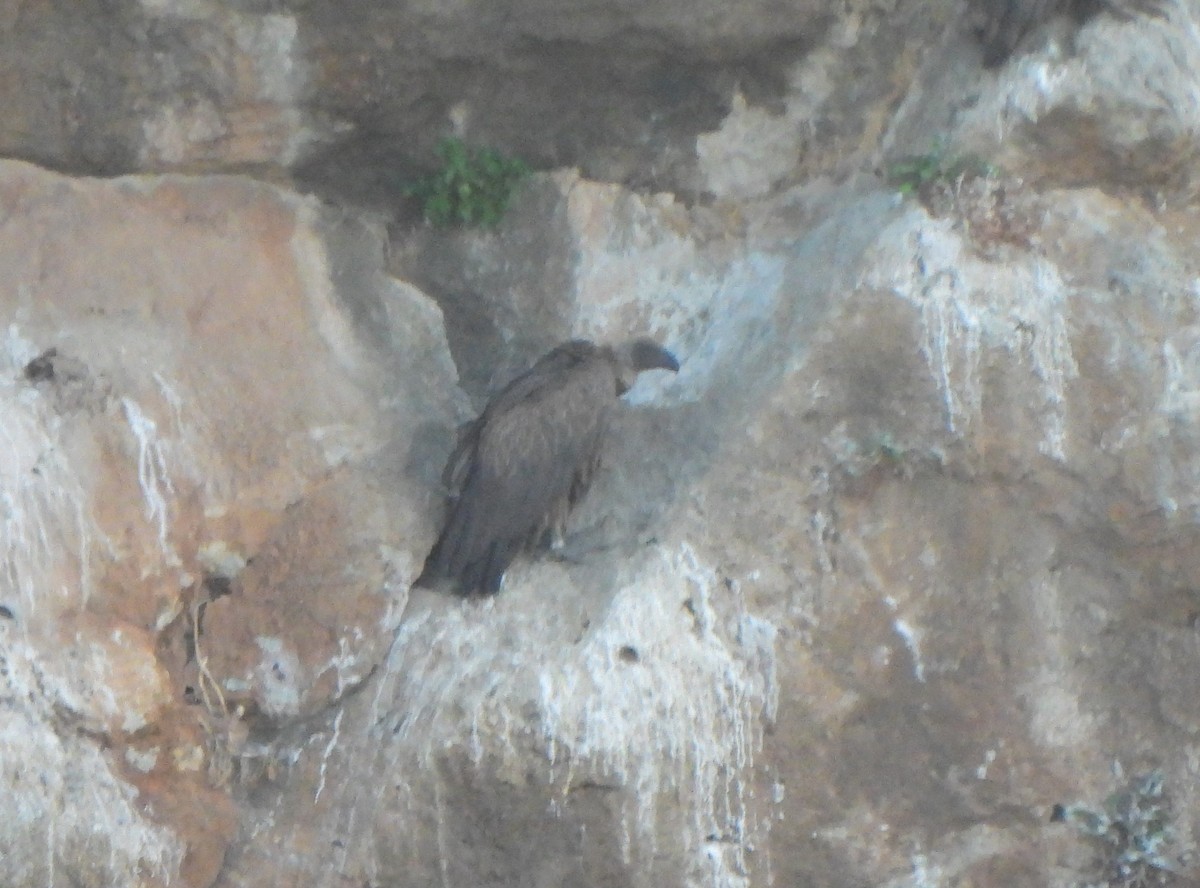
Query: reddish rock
(313, 613)
(160, 445)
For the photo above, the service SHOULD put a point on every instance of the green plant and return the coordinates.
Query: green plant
(473, 186)
(1132, 831)
(909, 175)
(888, 450)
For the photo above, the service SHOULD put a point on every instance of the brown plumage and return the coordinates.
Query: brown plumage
(529, 458)
(1002, 24)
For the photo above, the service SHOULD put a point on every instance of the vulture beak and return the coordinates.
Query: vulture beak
(647, 354)
(669, 362)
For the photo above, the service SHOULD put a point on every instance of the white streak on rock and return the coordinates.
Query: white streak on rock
(153, 476)
(333, 739)
(970, 306)
(42, 502)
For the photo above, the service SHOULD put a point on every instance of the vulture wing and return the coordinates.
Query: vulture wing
(518, 466)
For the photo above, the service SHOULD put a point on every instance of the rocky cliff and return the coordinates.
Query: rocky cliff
(900, 566)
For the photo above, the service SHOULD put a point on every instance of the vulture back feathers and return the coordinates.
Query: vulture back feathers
(519, 468)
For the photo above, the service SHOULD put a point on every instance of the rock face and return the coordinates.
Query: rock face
(156, 460)
(353, 105)
(904, 557)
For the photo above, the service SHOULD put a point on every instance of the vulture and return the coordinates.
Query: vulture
(530, 457)
(1004, 23)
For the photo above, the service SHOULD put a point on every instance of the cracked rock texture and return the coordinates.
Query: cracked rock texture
(904, 556)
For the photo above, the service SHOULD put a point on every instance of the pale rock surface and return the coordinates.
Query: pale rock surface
(905, 555)
(155, 453)
(1115, 105)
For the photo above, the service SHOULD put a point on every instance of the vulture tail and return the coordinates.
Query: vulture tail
(451, 558)
(444, 558)
(499, 558)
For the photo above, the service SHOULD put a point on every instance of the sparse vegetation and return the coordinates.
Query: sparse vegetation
(912, 175)
(888, 450)
(472, 188)
(994, 210)
(1132, 832)
(884, 452)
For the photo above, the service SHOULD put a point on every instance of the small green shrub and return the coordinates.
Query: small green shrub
(910, 175)
(888, 451)
(1132, 832)
(472, 188)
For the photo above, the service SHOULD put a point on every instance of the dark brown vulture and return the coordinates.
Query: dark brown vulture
(1004, 23)
(530, 457)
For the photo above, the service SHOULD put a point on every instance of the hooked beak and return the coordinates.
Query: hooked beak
(649, 355)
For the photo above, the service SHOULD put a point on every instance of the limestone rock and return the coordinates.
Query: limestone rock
(904, 557)
(353, 105)
(109, 675)
(313, 613)
(1118, 109)
(112, 87)
(155, 450)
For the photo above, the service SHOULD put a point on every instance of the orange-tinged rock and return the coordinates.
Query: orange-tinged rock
(110, 675)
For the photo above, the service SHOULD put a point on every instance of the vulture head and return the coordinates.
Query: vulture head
(530, 457)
